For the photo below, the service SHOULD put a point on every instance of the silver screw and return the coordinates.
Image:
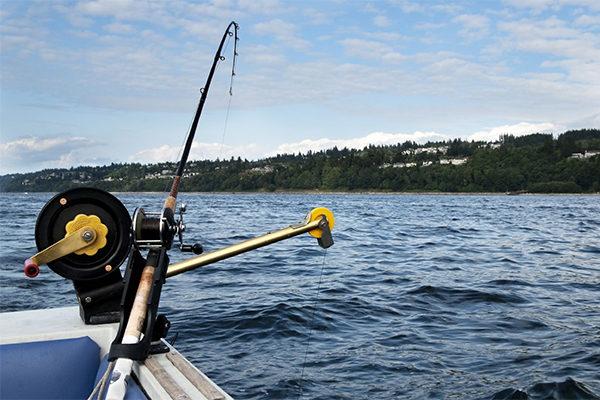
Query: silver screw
(88, 299)
(87, 236)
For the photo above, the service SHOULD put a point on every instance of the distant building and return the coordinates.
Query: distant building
(398, 165)
(453, 161)
(589, 154)
(262, 170)
(585, 154)
(427, 150)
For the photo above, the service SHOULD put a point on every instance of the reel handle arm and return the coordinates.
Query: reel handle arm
(318, 224)
(78, 240)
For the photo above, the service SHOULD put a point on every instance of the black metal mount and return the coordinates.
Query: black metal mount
(326, 239)
(99, 300)
(156, 326)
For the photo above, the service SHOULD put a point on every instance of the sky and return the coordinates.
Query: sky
(98, 81)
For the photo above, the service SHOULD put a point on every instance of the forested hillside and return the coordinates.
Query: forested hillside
(533, 163)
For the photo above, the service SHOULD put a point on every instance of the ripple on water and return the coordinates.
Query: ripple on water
(455, 296)
(569, 389)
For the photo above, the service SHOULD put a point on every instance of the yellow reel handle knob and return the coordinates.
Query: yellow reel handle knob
(100, 230)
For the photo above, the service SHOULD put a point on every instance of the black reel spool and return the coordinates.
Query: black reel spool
(97, 278)
(154, 230)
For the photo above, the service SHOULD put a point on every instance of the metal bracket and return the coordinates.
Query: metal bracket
(326, 240)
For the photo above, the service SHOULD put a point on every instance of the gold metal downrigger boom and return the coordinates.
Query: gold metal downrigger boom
(318, 224)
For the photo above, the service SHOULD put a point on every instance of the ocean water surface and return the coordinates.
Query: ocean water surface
(421, 297)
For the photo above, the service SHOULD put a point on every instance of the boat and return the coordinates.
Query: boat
(53, 354)
(112, 345)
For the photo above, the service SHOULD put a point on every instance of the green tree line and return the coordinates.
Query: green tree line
(534, 163)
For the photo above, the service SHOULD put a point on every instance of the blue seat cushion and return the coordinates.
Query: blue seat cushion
(53, 369)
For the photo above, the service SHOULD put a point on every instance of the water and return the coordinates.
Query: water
(422, 297)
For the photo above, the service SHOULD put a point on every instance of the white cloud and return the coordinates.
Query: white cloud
(117, 27)
(34, 152)
(520, 129)
(199, 151)
(588, 20)
(535, 5)
(408, 6)
(120, 9)
(374, 138)
(41, 147)
(381, 21)
(538, 6)
(369, 49)
(575, 51)
(285, 32)
(474, 26)
(316, 17)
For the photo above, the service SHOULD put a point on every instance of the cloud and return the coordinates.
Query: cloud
(538, 6)
(588, 20)
(284, 32)
(574, 50)
(374, 138)
(408, 6)
(535, 5)
(34, 152)
(369, 49)
(117, 27)
(381, 21)
(520, 129)
(474, 26)
(199, 151)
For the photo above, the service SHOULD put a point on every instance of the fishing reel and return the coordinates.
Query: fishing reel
(84, 235)
(152, 230)
(105, 235)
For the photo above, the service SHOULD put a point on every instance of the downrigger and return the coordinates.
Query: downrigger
(86, 234)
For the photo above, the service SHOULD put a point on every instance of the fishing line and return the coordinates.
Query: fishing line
(225, 126)
(311, 325)
(100, 387)
(235, 54)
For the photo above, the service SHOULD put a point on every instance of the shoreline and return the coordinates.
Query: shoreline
(345, 193)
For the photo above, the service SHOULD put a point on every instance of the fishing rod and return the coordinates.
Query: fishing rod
(86, 234)
(172, 198)
(157, 235)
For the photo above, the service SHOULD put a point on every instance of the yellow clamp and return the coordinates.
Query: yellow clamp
(93, 222)
(316, 214)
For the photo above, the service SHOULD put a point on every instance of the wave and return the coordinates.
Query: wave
(570, 389)
(459, 296)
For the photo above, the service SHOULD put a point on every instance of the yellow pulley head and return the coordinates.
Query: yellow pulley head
(93, 222)
(315, 215)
